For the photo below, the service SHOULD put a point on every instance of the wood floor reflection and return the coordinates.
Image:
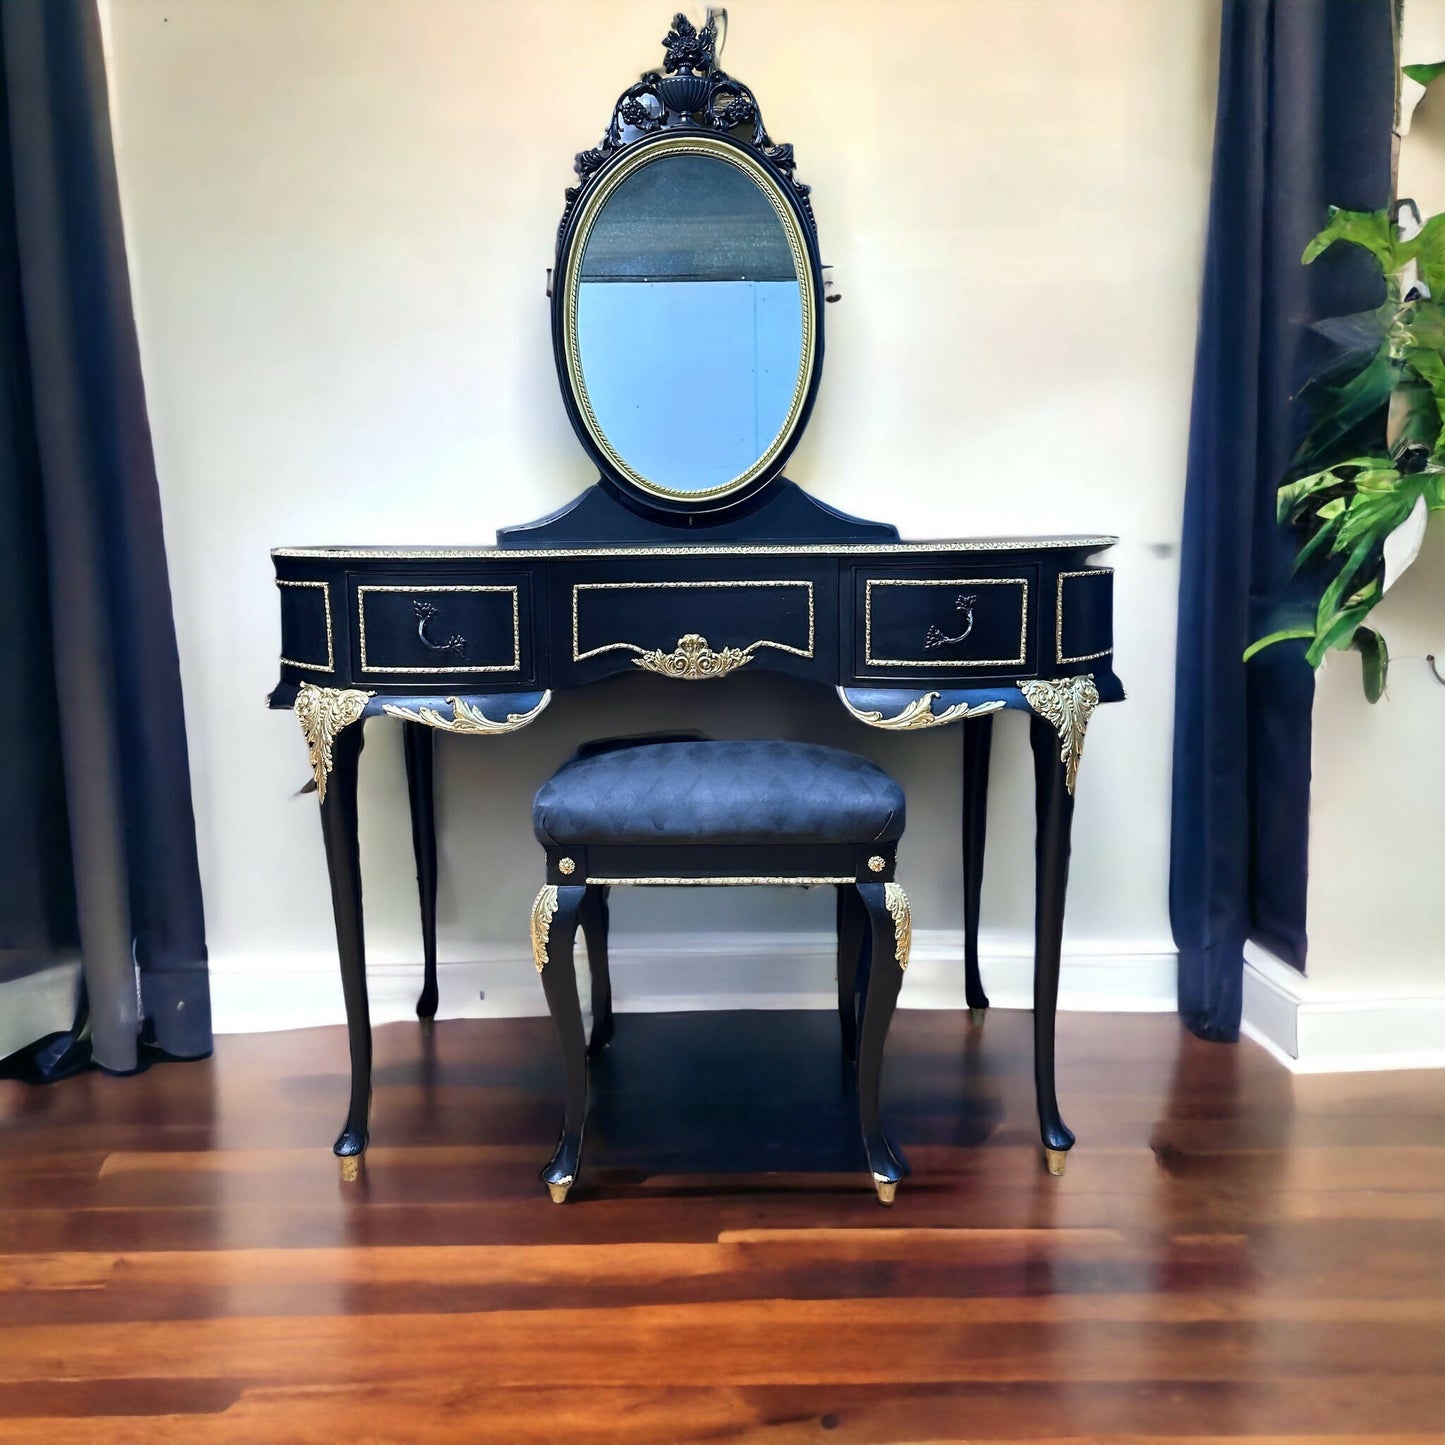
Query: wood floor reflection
(1234, 1253)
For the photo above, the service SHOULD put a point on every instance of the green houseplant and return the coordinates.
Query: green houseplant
(1371, 470)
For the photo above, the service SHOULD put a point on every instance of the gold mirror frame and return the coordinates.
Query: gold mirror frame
(631, 161)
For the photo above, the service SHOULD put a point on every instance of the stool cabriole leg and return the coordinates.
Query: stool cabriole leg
(554, 927)
(891, 930)
(594, 932)
(852, 928)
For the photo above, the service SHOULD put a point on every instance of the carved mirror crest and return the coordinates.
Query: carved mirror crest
(687, 308)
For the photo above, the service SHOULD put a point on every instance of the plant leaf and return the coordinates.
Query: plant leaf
(1424, 74)
(1374, 661)
(1351, 404)
(1340, 628)
(1283, 635)
(1373, 230)
(1427, 247)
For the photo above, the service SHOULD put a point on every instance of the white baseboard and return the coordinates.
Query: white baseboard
(672, 972)
(1314, 1031)
(36, 998)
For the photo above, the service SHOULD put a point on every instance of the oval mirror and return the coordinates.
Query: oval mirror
(689, 319)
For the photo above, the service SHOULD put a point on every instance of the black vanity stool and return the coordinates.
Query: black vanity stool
(720, 813)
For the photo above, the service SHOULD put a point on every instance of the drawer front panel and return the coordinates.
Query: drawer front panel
(1084, 616)
(622, 619)
(961, 620)
(308, 637)
(436, 630)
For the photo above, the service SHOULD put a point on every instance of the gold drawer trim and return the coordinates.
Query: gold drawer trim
(579, 587)
(514, 666)
(330, 664)
(1059, 616)
(870, 661)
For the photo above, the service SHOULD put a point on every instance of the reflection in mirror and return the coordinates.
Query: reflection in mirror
(689, 322)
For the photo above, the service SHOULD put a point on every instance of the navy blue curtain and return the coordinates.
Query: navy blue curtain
(97, 839)
(1306, 107)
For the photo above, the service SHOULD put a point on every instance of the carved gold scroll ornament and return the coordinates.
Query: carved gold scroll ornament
(694, 659)
(322, 713)
(1068, 703)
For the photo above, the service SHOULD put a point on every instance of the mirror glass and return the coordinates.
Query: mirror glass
(690, 327)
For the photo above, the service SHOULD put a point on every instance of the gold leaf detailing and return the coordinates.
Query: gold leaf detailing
(466, 718)
(566, 866)
(544, 906)
(712, 882)
(709, 549)
(1067, 703)
(693, 660)
(322, 713)
(896, 901)
(876, 864)
(919, 713)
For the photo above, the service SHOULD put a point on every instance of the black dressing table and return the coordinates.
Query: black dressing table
(688, 248)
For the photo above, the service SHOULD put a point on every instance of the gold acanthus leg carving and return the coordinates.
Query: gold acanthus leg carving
(543, 908)
(466, 718)
(1068, 703)
(322, 713)
(896, 901)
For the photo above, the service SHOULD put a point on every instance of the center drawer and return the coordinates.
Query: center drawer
(696, 627)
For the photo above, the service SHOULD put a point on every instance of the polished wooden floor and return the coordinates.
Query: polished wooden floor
(1234, 1253)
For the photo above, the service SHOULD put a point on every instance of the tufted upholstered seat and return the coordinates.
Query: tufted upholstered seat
(719, 792)
(682, 810)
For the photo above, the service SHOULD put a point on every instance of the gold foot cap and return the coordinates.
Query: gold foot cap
(559, 1191)
(887, 1190)
(1056, 1159)
(350, 1168)
(976, 1016)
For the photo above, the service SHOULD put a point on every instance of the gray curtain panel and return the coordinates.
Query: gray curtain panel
(97, 837)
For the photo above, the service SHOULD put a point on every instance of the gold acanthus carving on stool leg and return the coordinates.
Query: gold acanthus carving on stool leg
(322, 713)
(896, 901)
(543, 909)
(1068, 704)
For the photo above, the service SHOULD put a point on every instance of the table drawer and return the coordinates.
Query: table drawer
(935, 621)
(694, 629)
(408, 630)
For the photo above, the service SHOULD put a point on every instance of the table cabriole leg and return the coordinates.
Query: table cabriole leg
(343, 863)
(417, 742)
(977, 746)
(1055, 812)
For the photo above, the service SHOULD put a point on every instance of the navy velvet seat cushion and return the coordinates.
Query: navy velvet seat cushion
(719, 792)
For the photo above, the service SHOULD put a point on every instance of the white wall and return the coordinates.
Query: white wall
(338, 218)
